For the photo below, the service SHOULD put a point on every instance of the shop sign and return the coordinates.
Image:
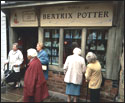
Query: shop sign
(77, 15)
(24, 18)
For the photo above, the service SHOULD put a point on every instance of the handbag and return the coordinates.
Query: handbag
(44, 67)
(103, 81)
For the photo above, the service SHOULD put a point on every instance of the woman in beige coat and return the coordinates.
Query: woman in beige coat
(74, 68)
(93, 76)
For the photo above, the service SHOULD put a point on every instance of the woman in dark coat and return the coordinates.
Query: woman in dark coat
(35, 86)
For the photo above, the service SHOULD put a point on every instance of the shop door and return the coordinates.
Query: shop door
(27, 38)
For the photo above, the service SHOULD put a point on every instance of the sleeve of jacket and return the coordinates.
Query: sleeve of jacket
(84, 66)
(20, 59)
(44, 58)
(88, 73)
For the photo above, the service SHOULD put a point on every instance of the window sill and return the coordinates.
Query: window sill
(55, 68)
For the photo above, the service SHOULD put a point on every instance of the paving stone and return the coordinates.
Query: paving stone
(11, 96)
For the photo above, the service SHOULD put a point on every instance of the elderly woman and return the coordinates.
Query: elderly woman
(43, 57)
(74, 68)
(15, 59)
(93, 76)
(35, 86)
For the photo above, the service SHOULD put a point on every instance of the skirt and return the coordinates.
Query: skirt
(73, 89)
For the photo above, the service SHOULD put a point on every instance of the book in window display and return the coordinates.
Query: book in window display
(55, 60)
(76, 35)
(47, 35)
(92, 36)
(99, 36)
(55, 34)
(55, 44)
(93, 47)
(67, 36)
(54, 52)
(47, 43)
(100, 46)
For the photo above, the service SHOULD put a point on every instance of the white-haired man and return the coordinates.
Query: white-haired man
(35, 86)
(15, 59)
(74, 68)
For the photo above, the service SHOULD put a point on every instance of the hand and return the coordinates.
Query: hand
(86, 80)
(64, 71)
(15, 65)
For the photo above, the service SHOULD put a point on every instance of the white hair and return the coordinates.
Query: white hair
(77, 51)
(32, 52)
(91, 57)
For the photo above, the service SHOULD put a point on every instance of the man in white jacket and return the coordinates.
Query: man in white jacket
(15, 59)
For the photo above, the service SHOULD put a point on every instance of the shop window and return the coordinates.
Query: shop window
(51, 44)
(97, 42)
(72, 38)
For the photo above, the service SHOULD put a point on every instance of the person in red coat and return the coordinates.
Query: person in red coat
(35, 86)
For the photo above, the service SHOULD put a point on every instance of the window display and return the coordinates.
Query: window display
(51, 44)
(97, 43)
(72, 38)
(47, 35)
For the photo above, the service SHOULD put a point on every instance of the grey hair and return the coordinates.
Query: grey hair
(16, 44)
(91, 57)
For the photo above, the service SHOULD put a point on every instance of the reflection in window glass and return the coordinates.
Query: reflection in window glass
(72, 39)
(97, 42)
(51, 44)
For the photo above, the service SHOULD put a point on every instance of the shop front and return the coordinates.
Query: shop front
(91, 26)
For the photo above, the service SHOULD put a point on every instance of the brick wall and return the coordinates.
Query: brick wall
(56, 83)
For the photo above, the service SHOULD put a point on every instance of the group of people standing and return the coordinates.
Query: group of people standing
(35, 85)
(74, 70)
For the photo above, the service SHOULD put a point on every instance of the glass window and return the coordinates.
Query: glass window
(72, 39)
(51, 44)
(97, 42)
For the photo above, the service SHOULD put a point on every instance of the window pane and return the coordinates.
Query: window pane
(51, 43)
(72, 39)
(97, 42)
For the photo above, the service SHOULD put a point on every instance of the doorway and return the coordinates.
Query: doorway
(26, 38)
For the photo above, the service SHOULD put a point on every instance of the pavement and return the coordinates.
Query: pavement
(10, 94)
